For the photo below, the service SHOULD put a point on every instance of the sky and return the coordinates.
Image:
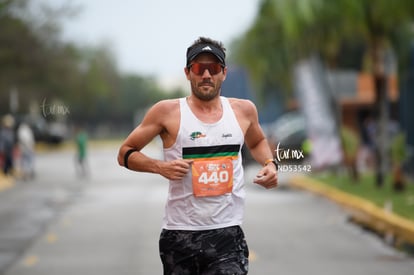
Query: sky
(150, 37)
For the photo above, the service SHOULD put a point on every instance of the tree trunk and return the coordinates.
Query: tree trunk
(381, 107)
(381, 111)
(398, 179)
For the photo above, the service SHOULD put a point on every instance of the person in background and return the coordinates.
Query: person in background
(26, 143)
(202, 136)
(81, 140)
(7, 143)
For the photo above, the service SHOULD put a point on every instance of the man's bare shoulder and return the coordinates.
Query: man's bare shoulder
(161, 111)
(166, 106)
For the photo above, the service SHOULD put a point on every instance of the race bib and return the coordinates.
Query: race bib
(212, 177)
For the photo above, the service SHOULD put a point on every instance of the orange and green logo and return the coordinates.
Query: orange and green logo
(195, 135)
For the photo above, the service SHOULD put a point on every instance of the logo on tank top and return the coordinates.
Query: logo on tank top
(196, 135)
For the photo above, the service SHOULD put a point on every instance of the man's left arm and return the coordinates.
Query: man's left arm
(259, 148)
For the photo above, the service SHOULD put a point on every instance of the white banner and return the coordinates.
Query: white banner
(318, 107)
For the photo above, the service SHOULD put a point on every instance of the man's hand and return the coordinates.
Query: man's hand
(176, 169)
(267, 177)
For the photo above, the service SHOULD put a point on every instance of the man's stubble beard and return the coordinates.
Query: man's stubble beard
(198, 93)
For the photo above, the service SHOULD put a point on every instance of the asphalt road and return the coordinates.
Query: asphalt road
(110, 224)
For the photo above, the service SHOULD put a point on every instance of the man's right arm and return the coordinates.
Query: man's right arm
(140, 137)
(154, 123)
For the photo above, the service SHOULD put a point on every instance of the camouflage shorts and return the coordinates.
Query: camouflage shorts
(218, 251)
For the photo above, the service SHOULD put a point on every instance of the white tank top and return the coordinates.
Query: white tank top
(199, 140)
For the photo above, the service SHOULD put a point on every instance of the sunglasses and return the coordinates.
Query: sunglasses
(200, 68)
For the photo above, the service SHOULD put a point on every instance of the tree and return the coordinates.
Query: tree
(286, 31)
(32, 59)
(45, 69)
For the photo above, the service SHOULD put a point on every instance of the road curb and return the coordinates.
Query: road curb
(387, 224)
(5, 182)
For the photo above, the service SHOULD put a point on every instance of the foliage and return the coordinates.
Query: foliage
(398, 149)
(264, 52)
(43, 68)
(285, 31)
(402, 203)
(350, 142)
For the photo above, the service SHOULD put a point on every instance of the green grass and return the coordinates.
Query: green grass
(402, 202)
